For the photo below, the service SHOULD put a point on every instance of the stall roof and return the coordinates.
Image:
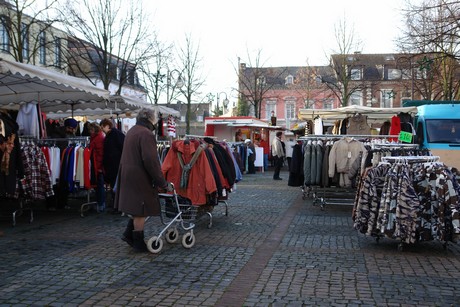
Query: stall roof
(139, 103)
(23, 83)
(340, 113)
(239, 121)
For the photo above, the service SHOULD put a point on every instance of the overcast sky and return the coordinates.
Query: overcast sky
(289, 32)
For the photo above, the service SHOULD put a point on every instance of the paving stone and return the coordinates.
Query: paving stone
(273, 249)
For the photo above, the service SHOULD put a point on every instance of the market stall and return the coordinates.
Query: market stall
(237, 128)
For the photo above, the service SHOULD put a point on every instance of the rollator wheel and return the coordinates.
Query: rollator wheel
(188, 240)
(155, 244)
(172, 235)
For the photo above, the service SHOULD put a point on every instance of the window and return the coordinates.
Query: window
(269, 107)
(421, 74)
(290, 110)
(394, 74)
(389, 57)
(356, 98)
(57, 52)
(42, 47)
(261, 81)
(252, 111)
(182, 118)
(387, 98)
(289, 80)
(355, 74)
(406, 73)
(443, 130)
(406, 95)
(309, 103)
(328, 103)
(4, 39)
(131, 74)
(25, 41)
(351, 58)
(199, 118)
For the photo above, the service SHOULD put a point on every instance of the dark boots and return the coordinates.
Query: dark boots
(138, 242)
(128, 233)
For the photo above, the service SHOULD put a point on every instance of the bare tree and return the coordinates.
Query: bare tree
(191, 79)
(431, 35)
(345, 64)
(254, 82)
(156, 75)
(109, 40)
(26, 25)
(308, 84)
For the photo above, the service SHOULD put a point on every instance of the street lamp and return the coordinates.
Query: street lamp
(173, 85)
(225, 101)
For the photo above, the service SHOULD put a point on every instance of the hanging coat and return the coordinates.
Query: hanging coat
(200, 180)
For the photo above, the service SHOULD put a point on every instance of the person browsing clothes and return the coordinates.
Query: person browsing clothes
(113, 147)
(278, 155)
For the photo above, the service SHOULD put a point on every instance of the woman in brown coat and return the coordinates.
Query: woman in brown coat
(139, 178)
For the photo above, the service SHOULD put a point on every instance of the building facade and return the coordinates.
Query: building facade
(376, 80)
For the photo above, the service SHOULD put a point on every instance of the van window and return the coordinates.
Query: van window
(443, 130)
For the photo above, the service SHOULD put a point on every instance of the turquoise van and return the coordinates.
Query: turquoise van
(437, 126)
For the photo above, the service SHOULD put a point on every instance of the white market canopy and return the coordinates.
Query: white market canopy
(341, 113)
(23, 83)
(139, 103)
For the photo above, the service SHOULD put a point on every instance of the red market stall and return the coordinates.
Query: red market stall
(238, 128)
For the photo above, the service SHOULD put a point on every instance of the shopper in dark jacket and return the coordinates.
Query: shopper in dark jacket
(139, 178)
(113, 147)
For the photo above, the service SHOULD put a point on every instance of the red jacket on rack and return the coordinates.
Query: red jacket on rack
(200, 180)
(96, 146)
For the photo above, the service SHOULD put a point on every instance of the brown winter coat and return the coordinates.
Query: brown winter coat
(139, 171)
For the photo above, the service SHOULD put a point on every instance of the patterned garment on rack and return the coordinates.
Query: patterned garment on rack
(37, 180)
(407, 217)
(386, 220)
(369, 198)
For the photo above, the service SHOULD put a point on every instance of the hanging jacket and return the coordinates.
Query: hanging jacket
(200, 181)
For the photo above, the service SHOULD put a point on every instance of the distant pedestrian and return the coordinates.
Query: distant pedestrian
(278, 155)
(251, 156)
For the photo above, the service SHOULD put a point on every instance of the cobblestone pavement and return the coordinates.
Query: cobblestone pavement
(273, 249)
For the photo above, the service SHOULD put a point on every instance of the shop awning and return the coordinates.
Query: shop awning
(340, 113)
(24, 83)
(139, 103)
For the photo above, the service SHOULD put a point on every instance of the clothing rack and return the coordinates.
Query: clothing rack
(339, 136)
(192, 136)
(410, 159)
(337, 195)
(379, 217)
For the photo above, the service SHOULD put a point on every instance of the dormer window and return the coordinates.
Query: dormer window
(355, 74)
(261, 80)
(351, 58)
(289, 80)
(389, 57)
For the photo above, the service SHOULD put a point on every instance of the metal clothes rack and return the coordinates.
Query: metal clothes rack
(407, 160)
(84, 140)
(336, 195)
